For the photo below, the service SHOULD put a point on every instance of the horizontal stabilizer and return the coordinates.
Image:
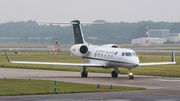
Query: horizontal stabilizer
(72, 23)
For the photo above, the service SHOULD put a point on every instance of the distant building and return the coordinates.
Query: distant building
(156, 36)
(158, 33)
(139, 41)
(174, 37)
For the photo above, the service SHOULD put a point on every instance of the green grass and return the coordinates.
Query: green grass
(44, 56)
(34, 87)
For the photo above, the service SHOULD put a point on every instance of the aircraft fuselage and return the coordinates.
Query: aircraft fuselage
(109, 57)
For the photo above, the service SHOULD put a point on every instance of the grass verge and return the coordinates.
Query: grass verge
(33, 87)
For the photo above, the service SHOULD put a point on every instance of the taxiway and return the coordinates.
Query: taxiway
(158, 88)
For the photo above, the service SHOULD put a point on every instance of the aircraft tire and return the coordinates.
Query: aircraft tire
(83, 74)
(116, 75)
(112, 74)
(131, 77)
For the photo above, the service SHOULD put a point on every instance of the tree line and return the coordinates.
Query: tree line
(117, 33)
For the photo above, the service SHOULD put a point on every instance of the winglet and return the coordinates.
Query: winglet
(7, 56)
(173, 57)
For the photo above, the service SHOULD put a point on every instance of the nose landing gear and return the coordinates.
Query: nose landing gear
(131, 77)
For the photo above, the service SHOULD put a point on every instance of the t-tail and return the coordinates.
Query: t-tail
(78, 34)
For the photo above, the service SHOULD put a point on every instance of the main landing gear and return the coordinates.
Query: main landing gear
(84, 73)
(114, 74)
(130, 74)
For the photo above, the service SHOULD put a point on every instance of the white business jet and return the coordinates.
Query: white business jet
(105, 56)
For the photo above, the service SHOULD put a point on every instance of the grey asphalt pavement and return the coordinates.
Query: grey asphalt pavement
(158, 88)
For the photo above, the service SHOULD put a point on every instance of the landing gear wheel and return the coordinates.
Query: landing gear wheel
(86, 74)
(83, 74)
(116, 75)
(131, 77)
(112, 74)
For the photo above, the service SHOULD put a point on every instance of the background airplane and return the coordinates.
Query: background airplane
(105, 56)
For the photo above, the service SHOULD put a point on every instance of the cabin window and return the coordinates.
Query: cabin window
(98, 54)
(104, 55)
(128, 54)
(101, 55)
(111, 56)
(95, 54)
(108, 56)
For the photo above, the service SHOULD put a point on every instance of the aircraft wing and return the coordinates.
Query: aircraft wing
(53, 63)
(160, 63)
(156, 63)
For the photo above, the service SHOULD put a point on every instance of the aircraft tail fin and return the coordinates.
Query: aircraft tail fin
(78, 34)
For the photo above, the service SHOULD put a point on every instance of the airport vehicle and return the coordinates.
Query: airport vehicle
(105, 56)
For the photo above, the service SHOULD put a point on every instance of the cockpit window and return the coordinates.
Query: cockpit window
(134, 54)
(123, 54)
(128, 54)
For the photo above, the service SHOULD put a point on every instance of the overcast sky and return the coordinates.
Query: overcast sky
(90, 10)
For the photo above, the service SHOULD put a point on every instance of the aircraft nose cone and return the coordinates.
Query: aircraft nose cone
(135, 61)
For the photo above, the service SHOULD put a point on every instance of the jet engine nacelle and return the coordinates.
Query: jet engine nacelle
(79, 50)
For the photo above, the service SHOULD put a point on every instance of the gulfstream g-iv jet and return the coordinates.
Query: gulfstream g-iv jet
(105, 56)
